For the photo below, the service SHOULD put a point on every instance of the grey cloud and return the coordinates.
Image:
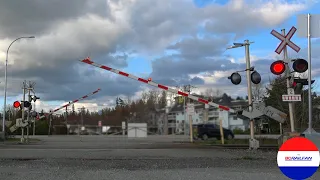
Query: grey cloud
(160, 22)
(34, 17)
(198, 48)
(49, 89)
(168, 81)
(168, 67)
(109, 87)
(51, 59)
(242, 18)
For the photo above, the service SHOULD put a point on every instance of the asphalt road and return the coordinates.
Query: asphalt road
(109, 158)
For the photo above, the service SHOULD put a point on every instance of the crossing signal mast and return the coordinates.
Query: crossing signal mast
(27, 104)
(282, 66)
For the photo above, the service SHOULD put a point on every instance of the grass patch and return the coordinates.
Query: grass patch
(262, 141)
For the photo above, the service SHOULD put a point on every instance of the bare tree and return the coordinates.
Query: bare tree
(129, 99)
(212, 92)
(144, 96)
(258, 92)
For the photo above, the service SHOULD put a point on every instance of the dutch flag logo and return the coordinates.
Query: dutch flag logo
(298, 158)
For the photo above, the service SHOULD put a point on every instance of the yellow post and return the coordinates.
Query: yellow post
(191, 128)
(221, 132)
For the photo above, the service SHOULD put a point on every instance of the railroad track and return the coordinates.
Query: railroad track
(226, 146)
(241, 146)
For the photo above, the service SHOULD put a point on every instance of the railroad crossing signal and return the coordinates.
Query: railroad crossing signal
(299, 65)
(285, 40)
(236, 77)
(26, 104)
(33, 98)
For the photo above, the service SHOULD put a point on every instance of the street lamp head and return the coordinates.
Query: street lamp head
(31, 37)
(238, 44)
(231, 47)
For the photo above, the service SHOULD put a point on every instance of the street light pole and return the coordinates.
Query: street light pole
(5, 84)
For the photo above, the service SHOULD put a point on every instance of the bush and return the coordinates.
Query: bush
(42, 128)
(240, 131)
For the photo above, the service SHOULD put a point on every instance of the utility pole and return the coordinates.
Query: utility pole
(253, 144)
(22, 108)
(29, 88)
(66, 114)
(248, 71)
(28, 114)
(34, 123)
(66, 119)
(288, 77)
(50, 123)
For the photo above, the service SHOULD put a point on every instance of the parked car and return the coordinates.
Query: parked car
(205, 131)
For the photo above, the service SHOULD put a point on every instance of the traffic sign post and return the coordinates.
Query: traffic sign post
(286, 40)
(190, 109)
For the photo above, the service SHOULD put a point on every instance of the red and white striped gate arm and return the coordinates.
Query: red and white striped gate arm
(74, 101)
(88, 61)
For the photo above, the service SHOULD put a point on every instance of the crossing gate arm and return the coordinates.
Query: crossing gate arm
(163, 87)
(74, 101)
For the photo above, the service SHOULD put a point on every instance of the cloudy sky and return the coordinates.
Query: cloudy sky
(176, 42)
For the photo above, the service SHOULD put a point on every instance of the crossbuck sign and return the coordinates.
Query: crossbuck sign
(285, 40)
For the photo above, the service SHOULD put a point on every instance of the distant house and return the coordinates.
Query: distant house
(178, 120)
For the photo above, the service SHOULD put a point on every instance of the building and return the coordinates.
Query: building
(178, 120)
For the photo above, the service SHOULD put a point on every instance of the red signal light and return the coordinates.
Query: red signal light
(277, 67)
(16, 104)
(294, 84)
